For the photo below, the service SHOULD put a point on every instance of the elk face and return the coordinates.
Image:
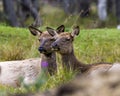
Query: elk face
(45, 38)
(63, 41)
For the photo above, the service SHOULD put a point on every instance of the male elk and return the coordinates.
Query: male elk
(48, 56)
(64, 45)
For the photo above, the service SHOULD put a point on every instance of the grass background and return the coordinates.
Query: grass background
(91, 46)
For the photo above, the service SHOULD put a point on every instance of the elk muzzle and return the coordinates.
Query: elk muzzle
(41, 49)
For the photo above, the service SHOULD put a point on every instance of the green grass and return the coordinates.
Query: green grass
(98, 45)
(17, 43)
(93, 45)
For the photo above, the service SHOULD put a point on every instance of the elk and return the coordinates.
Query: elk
(12, 71)
(48, 56)
(29, 69)
(63, 44)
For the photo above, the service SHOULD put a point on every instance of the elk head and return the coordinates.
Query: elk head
(45, 38)
(63, 41)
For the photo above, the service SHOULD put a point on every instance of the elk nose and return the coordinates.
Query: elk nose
(41, 49)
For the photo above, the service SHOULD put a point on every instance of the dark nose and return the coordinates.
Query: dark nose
(54, 45)
(41, 49)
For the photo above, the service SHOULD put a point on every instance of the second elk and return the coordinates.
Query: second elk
(64, 45)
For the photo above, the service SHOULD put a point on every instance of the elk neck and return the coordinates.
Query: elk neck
(70, 61)
(49, 61)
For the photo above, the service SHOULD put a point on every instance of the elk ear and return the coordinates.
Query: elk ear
(75, 31)
(60, 29)
(34, 30)
(51, 31)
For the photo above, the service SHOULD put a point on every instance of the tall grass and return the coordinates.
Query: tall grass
(17, 44)
(12, 52)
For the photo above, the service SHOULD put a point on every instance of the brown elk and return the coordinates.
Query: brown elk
(48, 56)
(64, 45)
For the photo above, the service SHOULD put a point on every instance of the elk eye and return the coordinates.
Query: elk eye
(67, 39)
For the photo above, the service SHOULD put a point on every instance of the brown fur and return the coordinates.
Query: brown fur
(47, 54)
